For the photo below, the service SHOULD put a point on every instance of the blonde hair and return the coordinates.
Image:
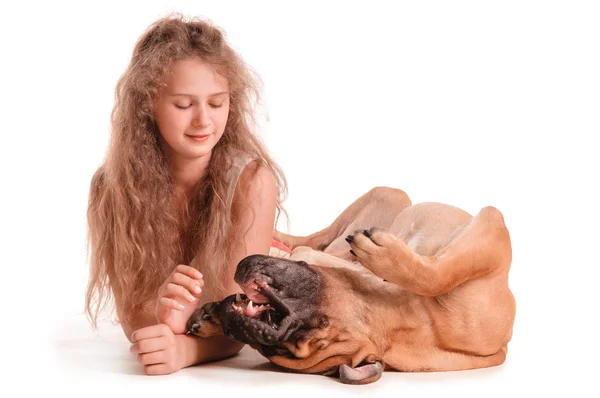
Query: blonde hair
(135, 237)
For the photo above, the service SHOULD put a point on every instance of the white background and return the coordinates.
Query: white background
(472, 103)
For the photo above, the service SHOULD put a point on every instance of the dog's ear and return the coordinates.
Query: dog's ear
(363, 374)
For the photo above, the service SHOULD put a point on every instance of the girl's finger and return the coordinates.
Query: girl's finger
(174, 290)
(189, 271)
(150, 332)
(193, 285)
(152, 358)
(171, 303)
(158, 369)
(149, 345)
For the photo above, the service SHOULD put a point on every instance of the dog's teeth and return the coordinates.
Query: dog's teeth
(237, 298)
(249, 307)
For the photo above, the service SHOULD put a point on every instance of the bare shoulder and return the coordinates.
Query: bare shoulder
(254, 211)
(257, 182)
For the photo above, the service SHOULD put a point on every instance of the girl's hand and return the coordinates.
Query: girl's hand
(177, 298)
(158, 349)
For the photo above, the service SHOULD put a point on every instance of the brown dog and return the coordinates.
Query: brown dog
(388, 284)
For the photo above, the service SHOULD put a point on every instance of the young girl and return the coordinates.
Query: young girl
(185, 192)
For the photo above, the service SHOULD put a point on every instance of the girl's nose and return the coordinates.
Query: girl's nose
(200, 118)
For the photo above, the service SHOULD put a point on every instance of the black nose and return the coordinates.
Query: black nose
(248, 266)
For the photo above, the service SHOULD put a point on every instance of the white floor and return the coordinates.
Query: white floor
(99, 364)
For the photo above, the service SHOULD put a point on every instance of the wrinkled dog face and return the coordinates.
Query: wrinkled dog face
(284, 315)
(280, 303)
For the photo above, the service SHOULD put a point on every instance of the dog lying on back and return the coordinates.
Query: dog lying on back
(388, 285)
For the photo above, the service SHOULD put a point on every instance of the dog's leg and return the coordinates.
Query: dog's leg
(378, 207)
(482, 247)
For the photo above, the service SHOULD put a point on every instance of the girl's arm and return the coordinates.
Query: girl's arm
(141, 319)
(163, 352)
(255, 199)
(158, 348)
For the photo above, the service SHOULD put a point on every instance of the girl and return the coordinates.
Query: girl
(185, 192)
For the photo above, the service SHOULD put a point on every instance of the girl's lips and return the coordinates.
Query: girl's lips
(199, 138)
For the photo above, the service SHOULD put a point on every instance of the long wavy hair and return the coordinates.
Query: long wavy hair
(135, 236)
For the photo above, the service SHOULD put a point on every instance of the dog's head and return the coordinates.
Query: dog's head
(306, 317)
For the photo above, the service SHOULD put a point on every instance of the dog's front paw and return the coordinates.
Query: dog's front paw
(204, 322)
(373, 248)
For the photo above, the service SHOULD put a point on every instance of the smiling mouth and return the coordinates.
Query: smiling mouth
(199, 137)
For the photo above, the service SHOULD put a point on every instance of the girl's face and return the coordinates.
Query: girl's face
(191, 112)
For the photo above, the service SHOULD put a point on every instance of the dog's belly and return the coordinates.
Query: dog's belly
(427, 227)
(476, 317)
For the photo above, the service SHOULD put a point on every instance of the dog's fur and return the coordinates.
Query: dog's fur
(389, 284)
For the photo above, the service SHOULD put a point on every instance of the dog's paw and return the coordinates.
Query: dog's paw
(203, 322)
(371, 247)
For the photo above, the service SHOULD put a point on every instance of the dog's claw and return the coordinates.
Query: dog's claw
(349, 238)
(367, 233)
(193, 329)
(352, 252)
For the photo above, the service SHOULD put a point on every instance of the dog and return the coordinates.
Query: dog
(388, 285)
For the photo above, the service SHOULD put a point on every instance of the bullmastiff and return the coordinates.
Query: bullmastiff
(388, 285)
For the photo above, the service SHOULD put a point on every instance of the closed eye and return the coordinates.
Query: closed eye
(214, 106)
